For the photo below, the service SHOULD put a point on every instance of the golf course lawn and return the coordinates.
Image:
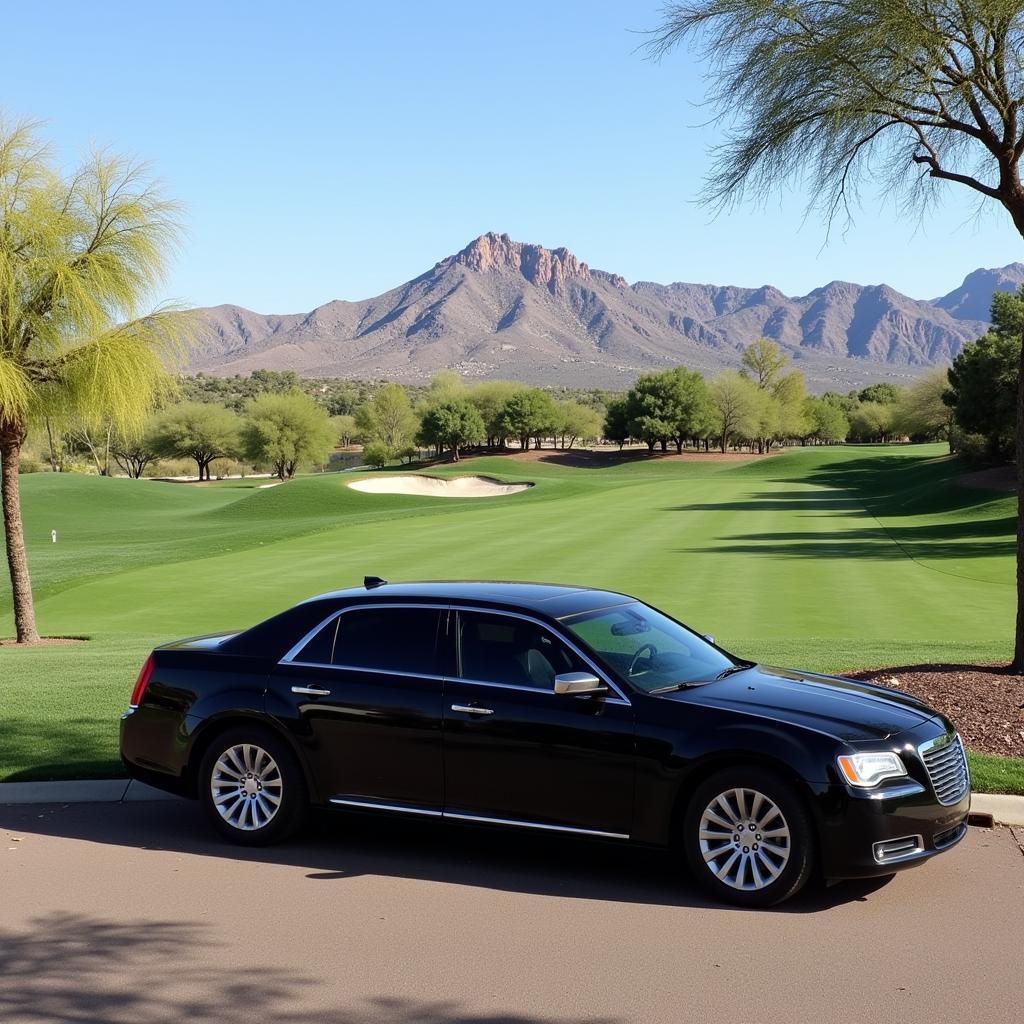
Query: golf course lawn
(823, 558)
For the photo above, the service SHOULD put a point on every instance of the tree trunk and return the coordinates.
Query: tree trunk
(14, 536)
(1018, 648)
(53, 454)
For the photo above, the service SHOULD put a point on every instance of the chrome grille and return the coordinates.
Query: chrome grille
(947, 767)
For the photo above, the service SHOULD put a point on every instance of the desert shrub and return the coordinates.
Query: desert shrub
(377, 454)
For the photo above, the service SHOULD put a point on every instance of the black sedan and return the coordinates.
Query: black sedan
(548, 707)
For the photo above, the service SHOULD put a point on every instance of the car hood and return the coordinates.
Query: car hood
(844, 708)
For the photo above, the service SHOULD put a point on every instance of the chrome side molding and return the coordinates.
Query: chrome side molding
(373, 805)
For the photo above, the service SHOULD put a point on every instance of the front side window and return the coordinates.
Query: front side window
(648, 649)
(516, 652)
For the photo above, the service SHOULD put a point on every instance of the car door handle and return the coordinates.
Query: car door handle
(472, 710)
(311, 691)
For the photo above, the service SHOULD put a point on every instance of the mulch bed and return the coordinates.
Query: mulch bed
(986, 703)
(46, 641)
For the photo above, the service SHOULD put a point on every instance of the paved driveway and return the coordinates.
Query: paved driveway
(133, 913)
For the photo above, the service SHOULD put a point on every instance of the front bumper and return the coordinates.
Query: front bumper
(860, 831)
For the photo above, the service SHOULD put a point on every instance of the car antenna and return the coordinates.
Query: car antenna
(373, 581)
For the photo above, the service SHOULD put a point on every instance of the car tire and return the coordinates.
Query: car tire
(251, 786)
(757, 866)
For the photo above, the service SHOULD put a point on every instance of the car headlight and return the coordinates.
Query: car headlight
(867, 770)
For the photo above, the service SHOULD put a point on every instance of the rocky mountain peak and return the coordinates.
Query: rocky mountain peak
(549, 268)
(501, 308)
(972, 299)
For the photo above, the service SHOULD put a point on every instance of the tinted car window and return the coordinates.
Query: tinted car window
(320, 650)
(647, 648)
(388, 639)
(501, 649)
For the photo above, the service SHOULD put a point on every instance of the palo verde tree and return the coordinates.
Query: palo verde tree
(388, 417)
(78, 256)
(737, 406)
(135, 452)
(911, 93)
(286, 430)
(451, 424)
(528, 413)
(198, 431)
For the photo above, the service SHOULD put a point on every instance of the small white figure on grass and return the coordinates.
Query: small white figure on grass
(53, 536)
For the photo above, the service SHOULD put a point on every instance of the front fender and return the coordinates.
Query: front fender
(672, 765)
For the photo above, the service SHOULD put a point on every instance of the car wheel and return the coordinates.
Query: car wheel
(252, 787)
(748, 838)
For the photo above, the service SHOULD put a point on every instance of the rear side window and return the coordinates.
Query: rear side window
(388, 640)
(320, 650)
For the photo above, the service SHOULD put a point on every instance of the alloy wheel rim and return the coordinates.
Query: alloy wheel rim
(744, 839)
(247, 787)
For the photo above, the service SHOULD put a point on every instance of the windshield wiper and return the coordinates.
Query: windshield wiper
(733, 669)
(685, 685)
(688, 683)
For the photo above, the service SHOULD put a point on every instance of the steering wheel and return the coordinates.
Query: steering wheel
(640, 650)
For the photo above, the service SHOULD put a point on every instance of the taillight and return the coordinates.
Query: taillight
(142, 682)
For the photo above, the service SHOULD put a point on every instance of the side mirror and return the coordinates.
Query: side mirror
(573, 683)
(710, 639)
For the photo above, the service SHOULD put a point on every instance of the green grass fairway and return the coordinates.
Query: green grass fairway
(820, 558)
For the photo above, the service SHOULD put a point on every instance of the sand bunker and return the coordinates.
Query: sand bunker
(435, 487)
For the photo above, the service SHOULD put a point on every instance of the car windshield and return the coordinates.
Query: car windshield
(649, 650)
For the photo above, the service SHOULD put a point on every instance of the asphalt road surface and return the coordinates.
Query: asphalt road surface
(134, 913)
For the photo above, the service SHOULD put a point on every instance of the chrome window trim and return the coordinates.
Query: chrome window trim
(365, 668)
(619, 699)
(426, 812)
(289, 656)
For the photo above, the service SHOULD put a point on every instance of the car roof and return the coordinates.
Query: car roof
(551, 599)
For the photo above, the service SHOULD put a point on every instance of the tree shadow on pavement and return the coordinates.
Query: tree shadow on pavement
(338, 846)
(73, 968)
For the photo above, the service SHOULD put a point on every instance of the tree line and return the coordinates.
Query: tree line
(278, 421)
(764, 403)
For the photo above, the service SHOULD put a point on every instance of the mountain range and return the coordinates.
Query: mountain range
(506, 309)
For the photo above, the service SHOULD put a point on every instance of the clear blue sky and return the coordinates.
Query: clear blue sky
(334, 150)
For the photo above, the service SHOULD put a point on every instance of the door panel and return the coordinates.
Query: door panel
(538, 757)
(375, 735)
